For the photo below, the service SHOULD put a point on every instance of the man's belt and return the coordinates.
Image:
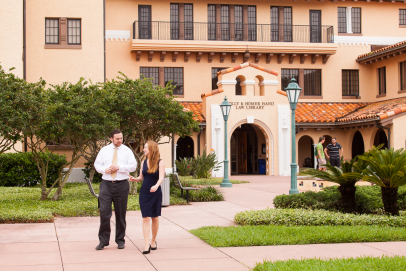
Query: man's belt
(115, 181)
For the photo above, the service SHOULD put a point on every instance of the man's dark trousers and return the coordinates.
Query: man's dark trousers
(118, 194)
(335, 162)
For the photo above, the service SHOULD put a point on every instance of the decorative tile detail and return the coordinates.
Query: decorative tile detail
(118, 35)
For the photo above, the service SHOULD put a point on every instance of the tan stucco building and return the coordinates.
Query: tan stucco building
(353, 84)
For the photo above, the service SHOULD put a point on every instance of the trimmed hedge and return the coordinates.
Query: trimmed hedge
(302, 217)
(367, 198)
(20, 169)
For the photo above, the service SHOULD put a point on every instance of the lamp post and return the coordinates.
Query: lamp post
(225, 109)
(293, 92)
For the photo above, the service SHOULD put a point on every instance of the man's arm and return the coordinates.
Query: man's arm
(341, 152)
(325, 152)
(131, 165)
(98, 163)
(319, 153)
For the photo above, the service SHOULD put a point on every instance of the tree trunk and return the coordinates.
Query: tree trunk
(348, 198)
(91, 173)
(133, 188)
(390, 200)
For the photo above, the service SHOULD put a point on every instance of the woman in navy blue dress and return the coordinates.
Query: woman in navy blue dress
(152, 174)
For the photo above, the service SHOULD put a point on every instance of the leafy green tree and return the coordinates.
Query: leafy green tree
(13, 102)
(147, 112)
(387, 169)
(346, 177)
(77, 116)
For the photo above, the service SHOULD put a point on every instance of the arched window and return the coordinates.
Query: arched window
(357, 144)
(380, 138)
(238, 86)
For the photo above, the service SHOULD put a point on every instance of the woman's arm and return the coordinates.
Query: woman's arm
(161, 176)
(140, 177)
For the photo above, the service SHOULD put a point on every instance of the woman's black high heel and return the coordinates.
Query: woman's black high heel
(154, 248)
(147, 251)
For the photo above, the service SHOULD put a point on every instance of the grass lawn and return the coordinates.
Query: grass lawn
(242, 236)
(22, 204)
(209, 181)
(362, 263)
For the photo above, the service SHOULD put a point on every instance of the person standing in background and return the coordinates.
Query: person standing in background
(336, 152)
(321, 158)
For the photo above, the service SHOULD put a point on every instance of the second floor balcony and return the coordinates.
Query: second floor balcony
(156, 30)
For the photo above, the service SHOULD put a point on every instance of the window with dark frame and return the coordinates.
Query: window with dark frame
(342, 20)
(174, 17)
(238, 23)
(214, 78)
(382, 80)
(188, 21)
(225, 22)
(74, 31)
(312, 82)
(402, 75)
(252, 23)
(286, 76)
(402, 16)
(287, 24)
(350, 82)
(356, 20)
(150, 72)
(238, 90)
(274, 23)
(51, 31)
(211, 19)
(176, 76)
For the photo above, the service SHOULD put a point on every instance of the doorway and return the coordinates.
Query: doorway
(245, 153)
(184, 148)
(357, 145)
(315, 26)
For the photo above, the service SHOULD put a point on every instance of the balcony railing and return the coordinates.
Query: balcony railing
(233, 32)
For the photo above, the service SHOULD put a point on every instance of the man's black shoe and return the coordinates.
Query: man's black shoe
(101, 247)
(120, 246)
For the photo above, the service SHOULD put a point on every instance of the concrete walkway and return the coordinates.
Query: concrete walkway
(68, 243)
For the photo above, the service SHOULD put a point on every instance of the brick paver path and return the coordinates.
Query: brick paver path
(68, 243)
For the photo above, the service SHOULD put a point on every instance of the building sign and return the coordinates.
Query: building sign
(251, 105)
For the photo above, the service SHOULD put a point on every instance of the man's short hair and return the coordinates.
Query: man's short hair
(333, 138)
(114, 132)
(321, 138)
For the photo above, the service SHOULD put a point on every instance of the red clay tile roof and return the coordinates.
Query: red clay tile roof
(323, 112)
(329, 112)
(212, 92)
(382, 50)
(247, 64)
(196, 108)
(382, 109)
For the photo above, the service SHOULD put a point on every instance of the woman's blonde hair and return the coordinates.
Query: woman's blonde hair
(153, 156)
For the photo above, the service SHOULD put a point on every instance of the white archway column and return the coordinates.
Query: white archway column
(284, 140)
(217, 137)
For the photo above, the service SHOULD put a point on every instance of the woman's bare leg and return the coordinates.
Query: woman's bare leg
(155, 227)
(145, 230)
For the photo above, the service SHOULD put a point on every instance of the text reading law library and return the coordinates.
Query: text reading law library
(347, 56)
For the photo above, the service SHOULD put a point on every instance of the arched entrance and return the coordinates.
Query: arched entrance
(380, 138)
(184, 147)
(306, 152)
(248, 151)
(357, 144)
(326, 141)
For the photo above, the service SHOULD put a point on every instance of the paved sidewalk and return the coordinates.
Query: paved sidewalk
(68, 243)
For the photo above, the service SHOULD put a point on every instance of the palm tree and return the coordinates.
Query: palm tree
(346, 177)
(386, 168)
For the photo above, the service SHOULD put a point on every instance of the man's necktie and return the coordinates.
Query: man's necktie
(114, 163)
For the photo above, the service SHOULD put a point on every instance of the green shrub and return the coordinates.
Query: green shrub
(302, 217)
(97, 177)
(368, 199)
(20, 169)
(204, 164)
(208, 193)
(184, 166)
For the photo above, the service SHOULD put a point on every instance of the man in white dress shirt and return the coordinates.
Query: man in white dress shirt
(115, 162)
